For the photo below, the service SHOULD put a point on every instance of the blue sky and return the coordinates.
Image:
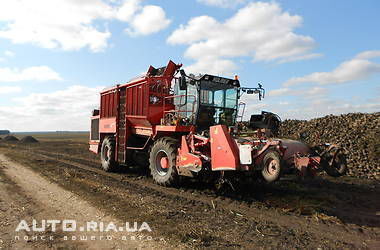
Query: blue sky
(313, 57)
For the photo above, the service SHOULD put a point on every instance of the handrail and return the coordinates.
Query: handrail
(242, 114)
(180, 111)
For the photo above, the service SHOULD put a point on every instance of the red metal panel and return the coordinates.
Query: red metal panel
(111, 104)
(174, 128)
(140, 103)
(107, 104)
(101, 106)
(129, 101)
(114, 104)
(146, 99)
(110, 107)
(307, 165)
(135, 100)
(107, 125)
(140, 115)
(138, 121)
(185, 159)
(224, 150)
(132, 100)
(293, 148)
(117, 103)
(137, 97)
(126, 101)
(142, 131)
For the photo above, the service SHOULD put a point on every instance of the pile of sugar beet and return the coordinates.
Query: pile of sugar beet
(358, 133)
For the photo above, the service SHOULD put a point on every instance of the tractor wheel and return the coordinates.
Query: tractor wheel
(271, 166)
(108, 155)
(335, 167)
(162, 162)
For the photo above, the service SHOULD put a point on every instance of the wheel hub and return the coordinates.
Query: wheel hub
(164, 162)
(107, 153)
(272, 167)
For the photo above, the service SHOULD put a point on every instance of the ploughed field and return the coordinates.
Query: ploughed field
(319, 213)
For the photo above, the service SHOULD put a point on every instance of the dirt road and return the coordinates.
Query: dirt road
(25, 195)
(324, 213)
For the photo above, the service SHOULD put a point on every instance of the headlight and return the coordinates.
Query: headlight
(154, 99)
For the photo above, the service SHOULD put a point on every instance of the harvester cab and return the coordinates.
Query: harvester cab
(186, 125)
(213, 100)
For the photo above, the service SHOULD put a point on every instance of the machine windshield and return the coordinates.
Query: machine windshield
(216, 102)
(222, 98)
(226, 98)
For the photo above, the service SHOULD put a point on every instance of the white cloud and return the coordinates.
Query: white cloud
(67, 109)
(315, 91)
(197, 29)
(128, 9)
(9, 53)
(302, 57)
(68, 24)
(222, 3)
(9, 89)
(327, 107)
(55, 23)
(37, 73)
(368, 54)
(213, 66)
(150, 20)
(279, 92)
(262, 31)
(73, 99)
(358, 68)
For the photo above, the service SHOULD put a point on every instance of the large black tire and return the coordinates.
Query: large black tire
(271, 166)
(107, 155)
(164, 149)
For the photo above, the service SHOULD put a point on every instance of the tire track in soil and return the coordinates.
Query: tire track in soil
(40, 199)
(271, 218)
(15, 205)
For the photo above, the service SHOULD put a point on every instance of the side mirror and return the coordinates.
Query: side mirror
(182, 80)
(252, 91)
